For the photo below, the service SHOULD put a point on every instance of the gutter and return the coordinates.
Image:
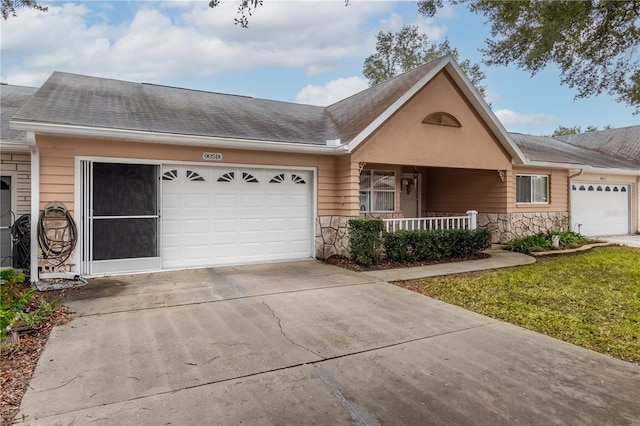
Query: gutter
(584, 168)
(330, 148)
(35, 204)
(570, 198)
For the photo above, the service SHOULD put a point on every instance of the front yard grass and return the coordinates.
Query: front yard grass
(589, 299)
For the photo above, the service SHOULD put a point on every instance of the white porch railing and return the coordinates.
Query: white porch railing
(470, 221)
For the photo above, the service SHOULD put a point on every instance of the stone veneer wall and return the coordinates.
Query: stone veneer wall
(332, 233)
(505, 227)
(332, 236)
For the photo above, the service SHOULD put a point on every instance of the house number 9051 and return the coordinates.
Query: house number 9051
(212, 156)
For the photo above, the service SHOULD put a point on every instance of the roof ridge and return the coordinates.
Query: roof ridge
(390, 80)
(184, 89)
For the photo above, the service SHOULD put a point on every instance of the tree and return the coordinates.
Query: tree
(9, 7)
(245, 10)
(594, 43)
(402, 51)
(564, 131)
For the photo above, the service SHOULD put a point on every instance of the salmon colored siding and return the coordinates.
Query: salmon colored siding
(347, 186)
(558, 191)
(335, 175)
(459, 190)
(405, 140)
(56, 171)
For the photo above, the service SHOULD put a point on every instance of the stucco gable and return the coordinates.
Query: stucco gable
(405, 139)
(465, 88)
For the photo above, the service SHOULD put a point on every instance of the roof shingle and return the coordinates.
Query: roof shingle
(623, 142)
(11, 99)
(104, 103)
(547, 149)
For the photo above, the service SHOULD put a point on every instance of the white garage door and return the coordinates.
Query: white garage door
(600, 209)
(230, 215)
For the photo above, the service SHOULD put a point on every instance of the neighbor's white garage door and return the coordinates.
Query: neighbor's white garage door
(600, 209)
(228, 215)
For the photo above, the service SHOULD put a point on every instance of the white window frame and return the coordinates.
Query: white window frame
(370, 191)
(547, 188)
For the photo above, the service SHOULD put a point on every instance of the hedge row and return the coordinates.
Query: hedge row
(364, 240)
(367, 242)
(416, 246)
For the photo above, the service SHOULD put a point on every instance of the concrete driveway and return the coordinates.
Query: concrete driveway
(623, 240)
(308, 343)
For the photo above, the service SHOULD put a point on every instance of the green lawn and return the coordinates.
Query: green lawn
(590, 299)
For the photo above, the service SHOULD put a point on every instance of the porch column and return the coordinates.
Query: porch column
(473, 219)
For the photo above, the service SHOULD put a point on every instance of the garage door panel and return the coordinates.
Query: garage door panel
(250, 201)
(300, 246)
(196, 227)
(600, 209)
(222, 200)
(277, 248)
(251, 225)
(276, 224)
(224, 225)
(224, 215)
(170, 228)
(198, 200)
(252, 249)
(299, 224)
(171, 201)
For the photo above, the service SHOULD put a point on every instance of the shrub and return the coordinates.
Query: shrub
(14, 298)
(20, 305)
(431, 245)
(544, 242)
(365, 241)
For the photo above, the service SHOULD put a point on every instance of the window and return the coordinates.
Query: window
(377, 191)
(227, 177)
(532, 189)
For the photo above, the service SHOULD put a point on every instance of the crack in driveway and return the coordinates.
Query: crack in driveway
(286, 336)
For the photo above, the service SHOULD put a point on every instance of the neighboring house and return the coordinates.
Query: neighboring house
(15, 167)
(164, 178)
(622, 143)
(604, 176)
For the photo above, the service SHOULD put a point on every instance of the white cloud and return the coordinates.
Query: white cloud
(332, 91)
(394, 23)
(514, 121)
(161, 41)
(492, 97)
(426, 26)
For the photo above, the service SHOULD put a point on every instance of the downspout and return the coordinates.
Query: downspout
(569, 195)
(35, 203)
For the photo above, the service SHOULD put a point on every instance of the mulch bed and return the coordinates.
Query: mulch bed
(382, 264)
(18, 363)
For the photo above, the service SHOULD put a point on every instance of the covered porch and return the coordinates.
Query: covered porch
(413, 197)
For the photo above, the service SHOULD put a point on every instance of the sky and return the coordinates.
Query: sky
(295, 51)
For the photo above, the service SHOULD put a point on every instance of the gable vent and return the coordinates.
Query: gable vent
(442, 119)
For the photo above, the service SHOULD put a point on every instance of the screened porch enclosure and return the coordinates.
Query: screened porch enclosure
(120, 217)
